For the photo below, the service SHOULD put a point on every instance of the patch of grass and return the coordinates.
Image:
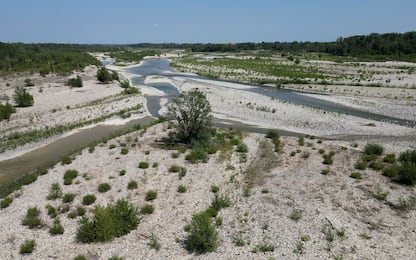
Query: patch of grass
(301, 141)
(132, 185)
(68, 197)
(175, 155)
(355, 175)
(124, 151)
(300, 248)
(150, 195)
(104, 187)
(325, 171)
(112, 146)
(220, 202)
(379, 194)
(390, 158)
(264, 247)
(360, 165)
(155, 165)
(51, 211)
(81, 211)
(328, 159)
(218, 221)
(305, 238)
(69, 176)
(57, 228)
(80, 257)
(55, 191)
(365, 236)
(215, 189)
(27, 247)
(197, 154)
(122, 172)
(88, 199)
(373, 149)
(238, 240)
(321, 151)
(147, 209)
(143, 165)
(376, 166)
(4, 203)
(407, 173)
(181, 189)
(202, 236)
(242, 148)
(32, 219)
(66, 160)
(175, 168)
(154, 242)
(296, 215)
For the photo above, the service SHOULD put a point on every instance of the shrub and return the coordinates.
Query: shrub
(391, 172)
(181, 189)
(88, 199)
(27, 247)
(51, 211)
(6, 111)
(373, 149)
(175, 168)
(272, 134)
(328, 159)
(361, 165)
(220, 202)
(151, 195)
(211, 212)
(407, 173)
(265, 247)
(214, 189)
(115, 220)
(29, 83)
(103, 75)
(122, 172)
(80, 257)
(197, 154)
(321, 151)
(32, 219)
(4, 203)
(390, 158)
(355, 175)
(66, 160)
(57, 228)
(376, 166)
(132, 185)
(147, 209)
(81, 211)
(154, 243)
(143, 165)
(296, 215)
(112, 146)
(202, 236)
(75, 82)
(325, 171)
(124, 151)
(175, 155)
(68, 197)
(22, 97)
(242, 148)
(408, 156)
(301, 141)
(70, 174)
(104, 187)
(55, 191)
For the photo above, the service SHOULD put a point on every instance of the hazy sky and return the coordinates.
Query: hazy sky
(133, 21)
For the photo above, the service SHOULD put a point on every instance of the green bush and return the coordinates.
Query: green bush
(147, 209)
(390, 158)
(242, 148)
(220, 202)
(265, 247)
(181, 189)
(143, 165)
(407, 173)
(103, 75)
(325, 171)
(55, 191)
(32, 219)
(373, 149)
(51, 211)
(361, 165)
(328, 159)
(122, 172)
(408, 156)
(29, 83)
(112, 146)
(115, 220)
(272, 134)
(202, 236)
(66, 160)
(211, 212)
(68, 197)
(6, 111)
(175, 168)
(104, 187)
(81, 211)
(124, 151)
(27, 247)
(132, 185)
(75, 82)
(391, 172)
(57, 228)
(301, 141)
(70, 174)
(88, 199)
(376, 166)
(214, 189)
(355, 175)
(80, 257)
(197, 154)
(151, 195)
(22, 97)
(4, 203)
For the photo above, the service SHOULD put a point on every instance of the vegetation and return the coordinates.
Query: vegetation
(147, 209)
(202, 236)
(104, 76)
(133, 56)
(405, 171)
(4, 203)
(373, 149)
(355, 175)
(132, 185)
(22, 98)
(88, 199)
(6, 111)
(57, 228)
(104, 187)
(68, 197)
(143, 165)
(181, 189)
(27, 247)
(32, 219)
(55, 191)
(75, 82)
(151, 195)
(191, 112)
(154, 243)
(115, 220)
(69, 176)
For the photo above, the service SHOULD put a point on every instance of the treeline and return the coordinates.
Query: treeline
(401, 46)
(133, 56)
(49, 57)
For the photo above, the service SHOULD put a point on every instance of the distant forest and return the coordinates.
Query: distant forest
(64, 58)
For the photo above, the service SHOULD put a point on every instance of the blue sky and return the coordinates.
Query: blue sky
(133, 21)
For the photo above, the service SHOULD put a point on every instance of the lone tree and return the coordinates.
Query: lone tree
(191, 112)
(75, 82)
(104, 76)
(22, 97)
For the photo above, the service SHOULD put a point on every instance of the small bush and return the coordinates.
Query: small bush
(296, 215)
(57, 228)
(214, 189)
(75, 82)
(376, 166)
(22, 97)
(143, 165)
(68, 197)
(212, 212)
(175, 155)
(151, 195)
(88, 199)
(407, 173)
(321, 151)
(202, 236)
(272, 134)
(265, 247)
(301, 141)
(32, 219)
(112, 146)
(122, 172)
(51, 211)
(361, 165)
(242, 148)
(132, 185)
(27, 247)
(391, 172)
(4, 203)
(55, 191)
(6, 111)
(154, 243)
(147, 209)
(69, 176)
(390, 158)
(124, 151)
(175, 168)
(220, 202)
(328, 159)
(66, 160)
(104, 187)
(355, 175)
(80, 257)
(197, 154)
(181, 189)
(373, 149)
(408, 156)
(325, 171)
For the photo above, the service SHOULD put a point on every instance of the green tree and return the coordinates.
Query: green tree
(192, 114)
(75, 82)
(6, 111)
(104, 76)
(22, 97)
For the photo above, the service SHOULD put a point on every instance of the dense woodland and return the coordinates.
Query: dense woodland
(64, 58)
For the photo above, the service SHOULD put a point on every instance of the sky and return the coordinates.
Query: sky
(180, 21)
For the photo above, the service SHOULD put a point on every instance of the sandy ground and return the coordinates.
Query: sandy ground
(335, 202)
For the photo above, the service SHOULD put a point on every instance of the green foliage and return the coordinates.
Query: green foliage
(355, 175)
(104, 187)
(27, 247)
(133, 56)
(124, 151)
(373, 149)
(296, 215)
(376, 166)
(122, 172)
(301, 141)
(220, 202)
(114, 76)
(407, 173)
(88, 199)
(6, 111)
(143, 165)
(214, 189)
(147, 209)
(51, 211)
(29, 83)
(325, 171)
(242, 148)
(390, 158)
(22, 97)
(181, 189)
(55, 191)
(361, 165)
(4, 203)
(80, 257)
(115, 220)
(68, 197)
(57, 228)
(32, 219)
(150, 195)
(104, 76)
(197, 154)
(69, 176)
(191, 112)
(202, 236)
(154, 243)
(175, 168)
(328, 159)
(66, 160)
(81, 211)
(408, 156)
(264, 247)
(132, 185)
(75, 82)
